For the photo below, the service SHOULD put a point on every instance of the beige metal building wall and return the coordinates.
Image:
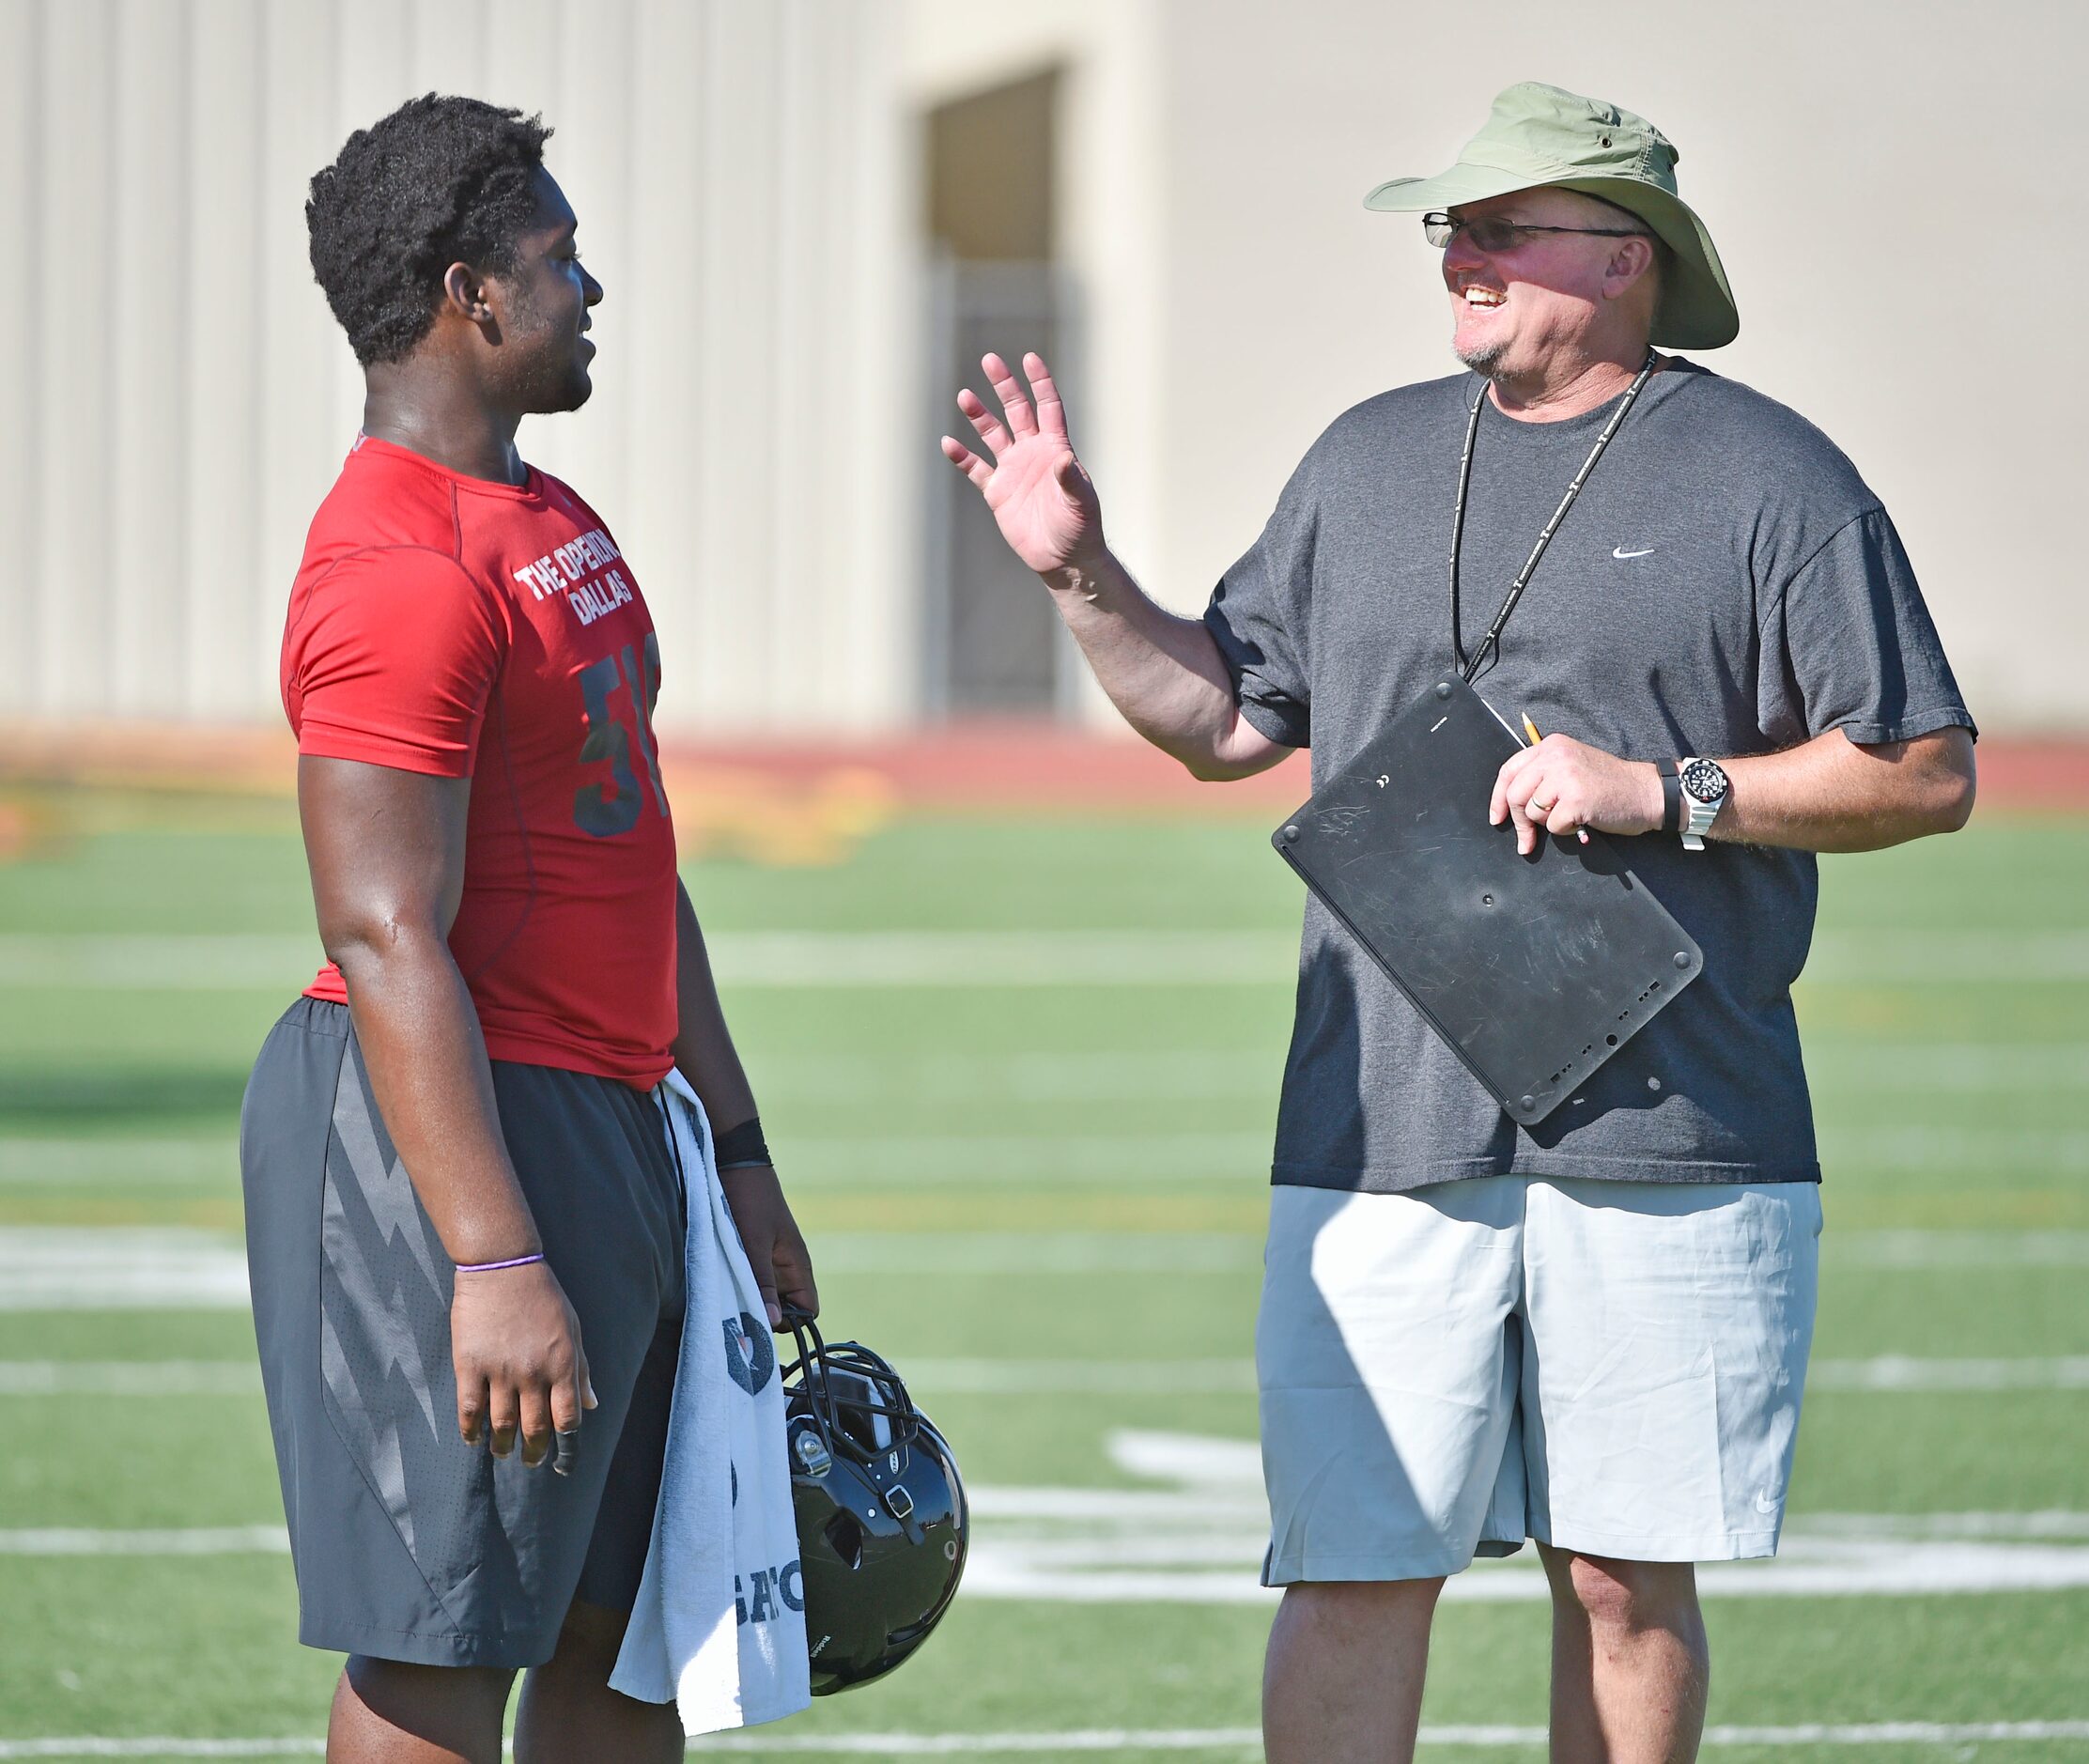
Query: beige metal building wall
(175, 397)
(1896, 185)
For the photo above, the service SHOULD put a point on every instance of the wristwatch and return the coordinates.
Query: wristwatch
(1705, 786)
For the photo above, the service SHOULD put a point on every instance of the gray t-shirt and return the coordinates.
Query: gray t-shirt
(1725, 585)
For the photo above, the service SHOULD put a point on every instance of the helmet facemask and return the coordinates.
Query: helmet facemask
(883, 1524)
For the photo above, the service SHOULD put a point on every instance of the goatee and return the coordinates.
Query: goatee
(1484, 360)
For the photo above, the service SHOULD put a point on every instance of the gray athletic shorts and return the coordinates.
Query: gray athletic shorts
(410, 1544)
(1610, 1366)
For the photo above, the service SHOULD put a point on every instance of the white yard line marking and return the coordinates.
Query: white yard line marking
(1022, 1378)
(1870, 958)
(1222, 1252)
(1194, 1533)
(1037, 1252)
(215, 1274)
(2051, 1523)
(1899, 1371)
(1070, 1253)
(148, 961)
(104, 1540)
(1888, 1372)
(248, 960)
(1973, 1068)
(969, 1158)
(1956, 1249)
(130, 1378)
(937, 1160)
(1008, 958)
(1228, 1739)
(115, 1160)
(788, 959)
(987, 1744)
(1088, 1574)
(1214, 1563)
(100, 1267)
(2054, 1151)
(149, 1746)
(1104, 1740)
(829, 1159)
(54, 1267)
(1044, 1154)
(1129, 1076)
(1896, 1733)
(1966, 1068)
(1198, 1542)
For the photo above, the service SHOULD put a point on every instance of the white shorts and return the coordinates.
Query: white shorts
(1614, 1367)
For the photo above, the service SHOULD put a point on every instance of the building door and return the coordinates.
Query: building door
(993, 644)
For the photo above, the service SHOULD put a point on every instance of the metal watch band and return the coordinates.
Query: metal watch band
(1698, 815)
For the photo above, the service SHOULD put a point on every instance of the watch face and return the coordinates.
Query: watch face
(1704, 779)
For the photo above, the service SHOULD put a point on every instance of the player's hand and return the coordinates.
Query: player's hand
(520, 1370)
(1040, 495)
(775, 1248)
(1562, 786)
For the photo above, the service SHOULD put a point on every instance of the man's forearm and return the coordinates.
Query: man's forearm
(703, 1044)
(1825, 795)
(1832, 795)
(1163, 672)
(421, 1044)
(776, 1251)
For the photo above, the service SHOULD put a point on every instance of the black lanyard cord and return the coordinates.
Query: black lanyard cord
(1468, 669)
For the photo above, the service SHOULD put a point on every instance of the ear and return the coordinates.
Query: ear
(1628, 266)
(464, 292)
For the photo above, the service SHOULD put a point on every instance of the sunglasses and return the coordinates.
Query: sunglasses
(1490, 235)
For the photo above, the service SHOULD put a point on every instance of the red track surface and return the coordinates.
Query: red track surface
(991, 765)
(974, 766)
(1015, 766)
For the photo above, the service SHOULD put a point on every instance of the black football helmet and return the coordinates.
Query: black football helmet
(882, 1525)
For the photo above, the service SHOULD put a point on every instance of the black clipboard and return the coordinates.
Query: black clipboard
(1534, 970)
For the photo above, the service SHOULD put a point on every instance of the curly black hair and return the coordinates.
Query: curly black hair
(441, 180)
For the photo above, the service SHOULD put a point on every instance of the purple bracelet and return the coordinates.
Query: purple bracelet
(495, 1267)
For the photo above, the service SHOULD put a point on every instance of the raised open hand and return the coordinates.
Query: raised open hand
(1041, 498)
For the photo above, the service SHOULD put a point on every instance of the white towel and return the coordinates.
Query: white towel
(718, 1627)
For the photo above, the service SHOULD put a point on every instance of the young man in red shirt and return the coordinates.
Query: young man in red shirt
(464, 1222)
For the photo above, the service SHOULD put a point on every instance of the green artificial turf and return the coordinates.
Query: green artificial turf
(931, 1133)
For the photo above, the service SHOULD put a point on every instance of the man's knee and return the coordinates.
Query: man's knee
(589, 1640)
(1622, 1595)
(1352, 1604)
(570, 1711)
(448, 1706)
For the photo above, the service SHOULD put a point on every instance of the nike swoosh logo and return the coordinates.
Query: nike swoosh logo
(1765, 1504)
(1619, 550)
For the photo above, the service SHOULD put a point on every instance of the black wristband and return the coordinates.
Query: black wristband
(741, 1146)
(1671, 797)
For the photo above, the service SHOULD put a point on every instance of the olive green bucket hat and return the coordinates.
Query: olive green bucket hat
(1540, 135)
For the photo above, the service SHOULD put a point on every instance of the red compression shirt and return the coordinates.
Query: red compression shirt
(460, 628)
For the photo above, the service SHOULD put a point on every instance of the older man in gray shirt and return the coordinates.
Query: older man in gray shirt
(1592, 1332)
